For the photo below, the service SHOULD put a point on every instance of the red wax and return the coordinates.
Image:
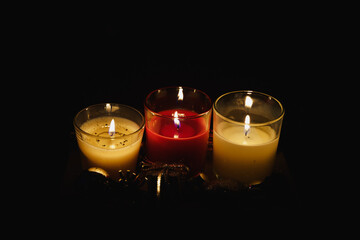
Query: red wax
(170, 142)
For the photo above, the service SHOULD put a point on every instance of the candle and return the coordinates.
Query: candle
(245, 158)
(178, 141)
(246, 134)
(109, 141)
(177, 127)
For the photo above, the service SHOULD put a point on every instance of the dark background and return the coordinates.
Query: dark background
(97, 60)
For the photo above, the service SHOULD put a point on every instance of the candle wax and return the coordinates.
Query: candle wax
(248, 159)
(185, 143)
(111, 152)
(255, 136)
(183, 131)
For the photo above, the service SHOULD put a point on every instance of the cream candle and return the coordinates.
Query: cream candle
(110, 141)
(246, 127)
(245, 158)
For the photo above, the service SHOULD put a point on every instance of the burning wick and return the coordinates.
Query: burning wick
(247, 126)
(112, 128)
(176, 120)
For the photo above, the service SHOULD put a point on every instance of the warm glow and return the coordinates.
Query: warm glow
(180, 94)
(112, 128)
(247, 126)
(158, 185)
(108, 107)
(176, 120)
(99, 170)
(176, 123)
(248, 102)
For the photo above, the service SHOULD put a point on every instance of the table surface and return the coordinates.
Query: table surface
(83, 190)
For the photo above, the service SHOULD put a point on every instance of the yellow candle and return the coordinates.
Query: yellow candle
(109, 144)
(244, 153)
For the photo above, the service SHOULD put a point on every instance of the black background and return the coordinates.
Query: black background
(121, 59)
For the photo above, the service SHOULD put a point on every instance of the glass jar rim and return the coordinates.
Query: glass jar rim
(196, 115)
(78, 128)
(281, 115)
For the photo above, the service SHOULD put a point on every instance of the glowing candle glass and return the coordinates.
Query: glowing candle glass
(247, 127)
(177, 127)
(109, 136)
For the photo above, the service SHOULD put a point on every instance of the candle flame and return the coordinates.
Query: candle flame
(112, 128)
(176, 120)
(180, 94)
(247, 126)
(248, 102)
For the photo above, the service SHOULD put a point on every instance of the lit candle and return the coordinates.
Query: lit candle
(111, 143)
(244, 155)
(246, 134)
(177, 140)
(177, 127)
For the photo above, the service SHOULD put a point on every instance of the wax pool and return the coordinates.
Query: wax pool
(110, 152)
(183, 142)
(247, 159)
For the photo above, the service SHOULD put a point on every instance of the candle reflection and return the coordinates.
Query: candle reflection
(248, 102)
(158, 185)
(98, 170)
(180, 94)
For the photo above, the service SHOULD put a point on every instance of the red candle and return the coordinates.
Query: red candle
(178, 136)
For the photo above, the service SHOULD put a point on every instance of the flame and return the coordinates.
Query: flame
(176, 123)
(176, 120)
(112, 128)
(180, 94)
(247, 126)
(248, 102)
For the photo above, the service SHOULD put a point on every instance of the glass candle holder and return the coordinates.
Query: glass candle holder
(246, 127)
(177, 127)
(109, 136)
